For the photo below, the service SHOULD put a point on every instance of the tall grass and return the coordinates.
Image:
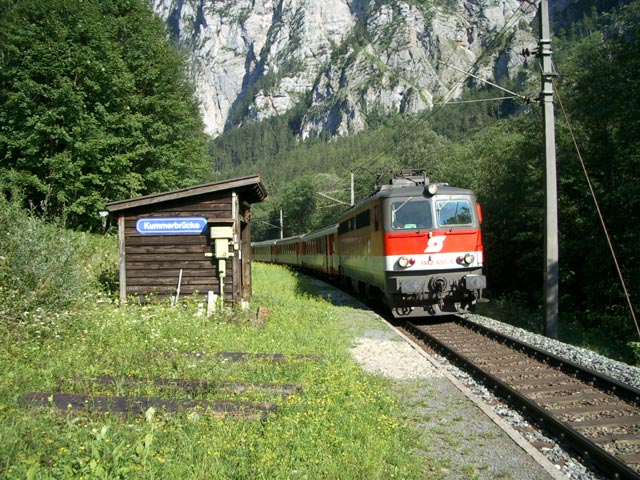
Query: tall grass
(343, 423)
(44, 268)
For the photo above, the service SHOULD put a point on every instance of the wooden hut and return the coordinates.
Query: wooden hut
(191, 241)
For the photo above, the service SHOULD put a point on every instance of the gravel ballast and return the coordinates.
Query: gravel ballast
(473, 433)
(466, 439)
(617, 370)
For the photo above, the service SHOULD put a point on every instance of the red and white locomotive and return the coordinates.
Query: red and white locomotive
(415, 244)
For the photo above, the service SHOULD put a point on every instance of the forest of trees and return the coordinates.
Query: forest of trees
(95, 106)
(496, 150)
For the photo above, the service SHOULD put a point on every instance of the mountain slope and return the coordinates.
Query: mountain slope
(344, 59)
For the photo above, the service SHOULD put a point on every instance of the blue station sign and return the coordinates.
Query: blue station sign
(171, 225)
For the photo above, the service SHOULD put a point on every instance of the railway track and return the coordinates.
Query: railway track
(597, 415)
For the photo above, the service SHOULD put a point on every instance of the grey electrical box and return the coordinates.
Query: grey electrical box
(221, 232)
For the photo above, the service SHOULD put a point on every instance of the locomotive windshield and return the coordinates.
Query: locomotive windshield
(454, 212)
(410, 213)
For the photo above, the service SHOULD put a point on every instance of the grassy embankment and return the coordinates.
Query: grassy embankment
(60, 333)
(343, 423)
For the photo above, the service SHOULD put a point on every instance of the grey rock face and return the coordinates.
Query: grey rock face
(345, 59)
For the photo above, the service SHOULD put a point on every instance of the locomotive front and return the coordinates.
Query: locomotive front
(432, 248)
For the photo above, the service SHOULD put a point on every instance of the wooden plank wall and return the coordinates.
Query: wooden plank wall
(153, 262)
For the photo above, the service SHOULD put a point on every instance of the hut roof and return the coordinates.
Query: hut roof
(251, 189)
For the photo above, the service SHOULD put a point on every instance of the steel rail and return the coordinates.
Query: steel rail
(599, 380)
(588, 449)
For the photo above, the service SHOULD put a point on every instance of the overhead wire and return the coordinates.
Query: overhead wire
(372, 161)
(480, 100)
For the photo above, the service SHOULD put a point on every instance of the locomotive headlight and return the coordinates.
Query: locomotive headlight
(405, 262)
(467, 259)
(432, 188)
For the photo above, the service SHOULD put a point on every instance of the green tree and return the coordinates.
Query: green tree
(94, 106)
(298, 204)
(598, 85)
(501, 163)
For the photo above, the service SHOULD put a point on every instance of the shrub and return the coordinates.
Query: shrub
(41, 267)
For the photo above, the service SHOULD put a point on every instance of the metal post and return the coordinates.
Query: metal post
(550, 187)
(123, 263)
(281, 225)
(352, 191)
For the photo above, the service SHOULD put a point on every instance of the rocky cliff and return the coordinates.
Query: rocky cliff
(343, 60)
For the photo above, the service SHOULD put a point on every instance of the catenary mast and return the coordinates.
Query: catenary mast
(551, 249)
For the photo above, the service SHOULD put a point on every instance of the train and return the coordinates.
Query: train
(414, 244)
